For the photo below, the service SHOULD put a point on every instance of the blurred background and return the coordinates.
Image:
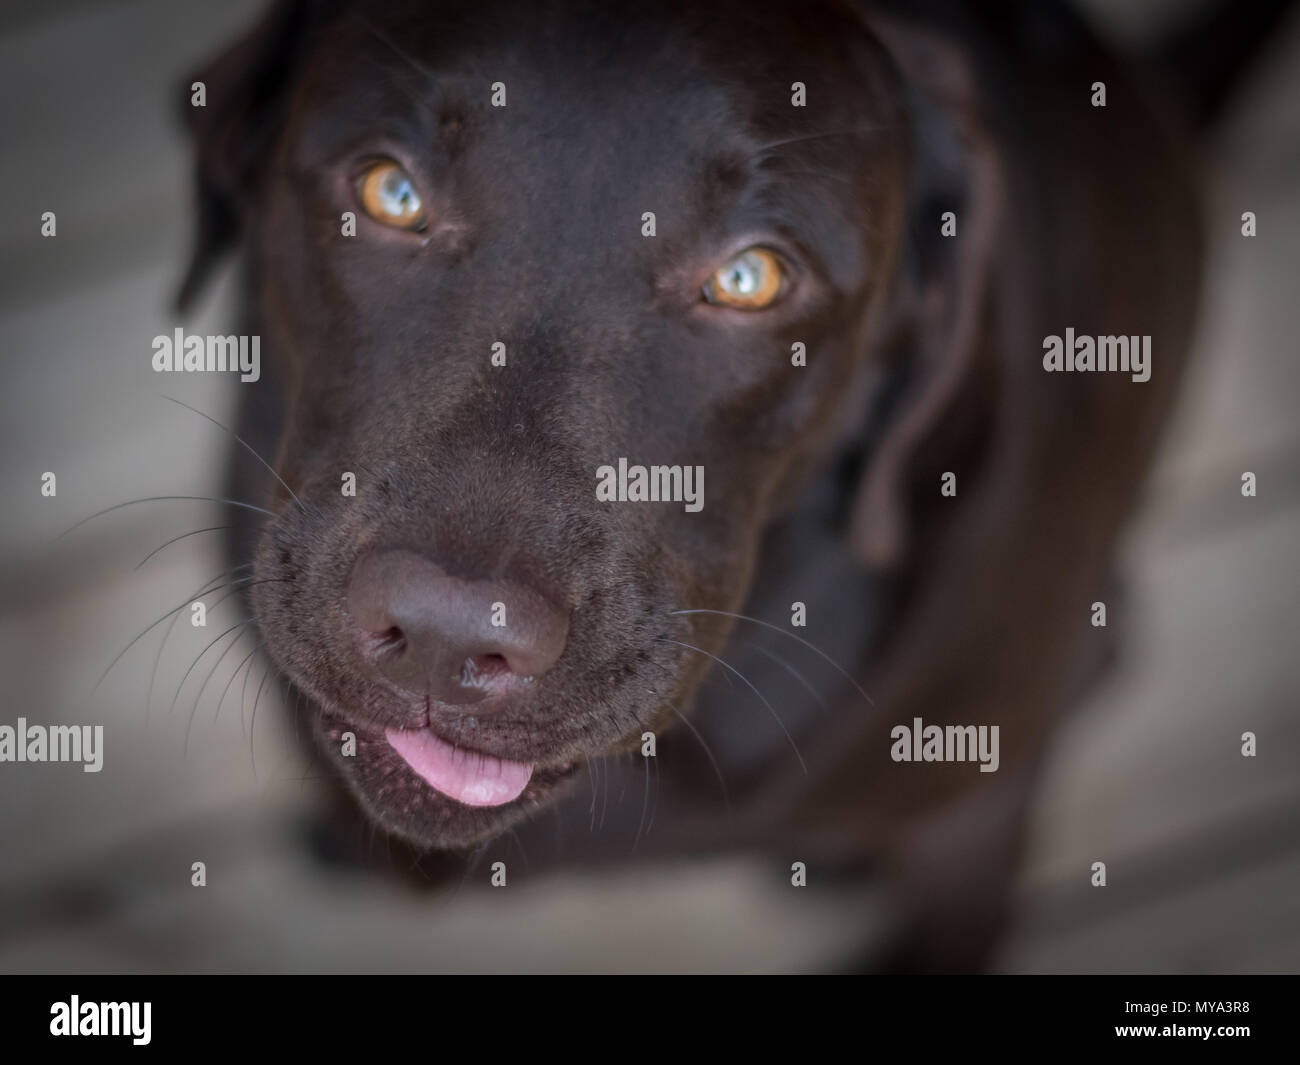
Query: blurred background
(1202, 845)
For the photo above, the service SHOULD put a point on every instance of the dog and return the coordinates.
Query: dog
(814, 251)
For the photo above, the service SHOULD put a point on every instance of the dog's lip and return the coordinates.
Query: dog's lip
(544, 773)
(470, 777)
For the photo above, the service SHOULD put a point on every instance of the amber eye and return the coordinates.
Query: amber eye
(750, 282)
(388, 196)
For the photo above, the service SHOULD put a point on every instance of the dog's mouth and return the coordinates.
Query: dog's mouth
(462, 774)
(453, 729)
(432, 790)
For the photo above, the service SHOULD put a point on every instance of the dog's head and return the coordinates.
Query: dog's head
(502, 253)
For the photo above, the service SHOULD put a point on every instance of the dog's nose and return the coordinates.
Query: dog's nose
(456, 640)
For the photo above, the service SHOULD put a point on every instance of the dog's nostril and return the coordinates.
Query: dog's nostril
(391, 641)
(481, 669)
(458, 640)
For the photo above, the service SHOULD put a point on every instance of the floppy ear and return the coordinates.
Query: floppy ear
(948, 371)
(245, 89)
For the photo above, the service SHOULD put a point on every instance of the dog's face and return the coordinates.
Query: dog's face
(474, 614)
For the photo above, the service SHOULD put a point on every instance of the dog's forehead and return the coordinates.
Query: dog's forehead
(743, 66)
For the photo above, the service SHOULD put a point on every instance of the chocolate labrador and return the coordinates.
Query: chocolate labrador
(671, 401)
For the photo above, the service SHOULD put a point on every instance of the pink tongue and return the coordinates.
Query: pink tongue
(466, 776)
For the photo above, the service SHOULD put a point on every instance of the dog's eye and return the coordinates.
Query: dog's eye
(751, 281)
(388, 196)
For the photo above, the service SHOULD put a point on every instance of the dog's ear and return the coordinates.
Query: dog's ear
(244, 92)
(945, 366)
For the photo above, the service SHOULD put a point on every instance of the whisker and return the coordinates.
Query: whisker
(211, 644)
(725, 665)
(380, 63)
(851, 131)
(217, 712)
(471, 863)
(520, 844)
(416, 865)
(158, 499)
(287, 756)
(591, 775)
(176, 617)
(774, 657)
(192, 599)
(604, 793)
(654, 806)
(196, 532)
(645, 803)
(189, 725)
(243, 696)
(622, 791)
(215, 665)
(708, 751)
(385, 40)
(251, 450)
(785, 632)
(297, 714)
(252, 721)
